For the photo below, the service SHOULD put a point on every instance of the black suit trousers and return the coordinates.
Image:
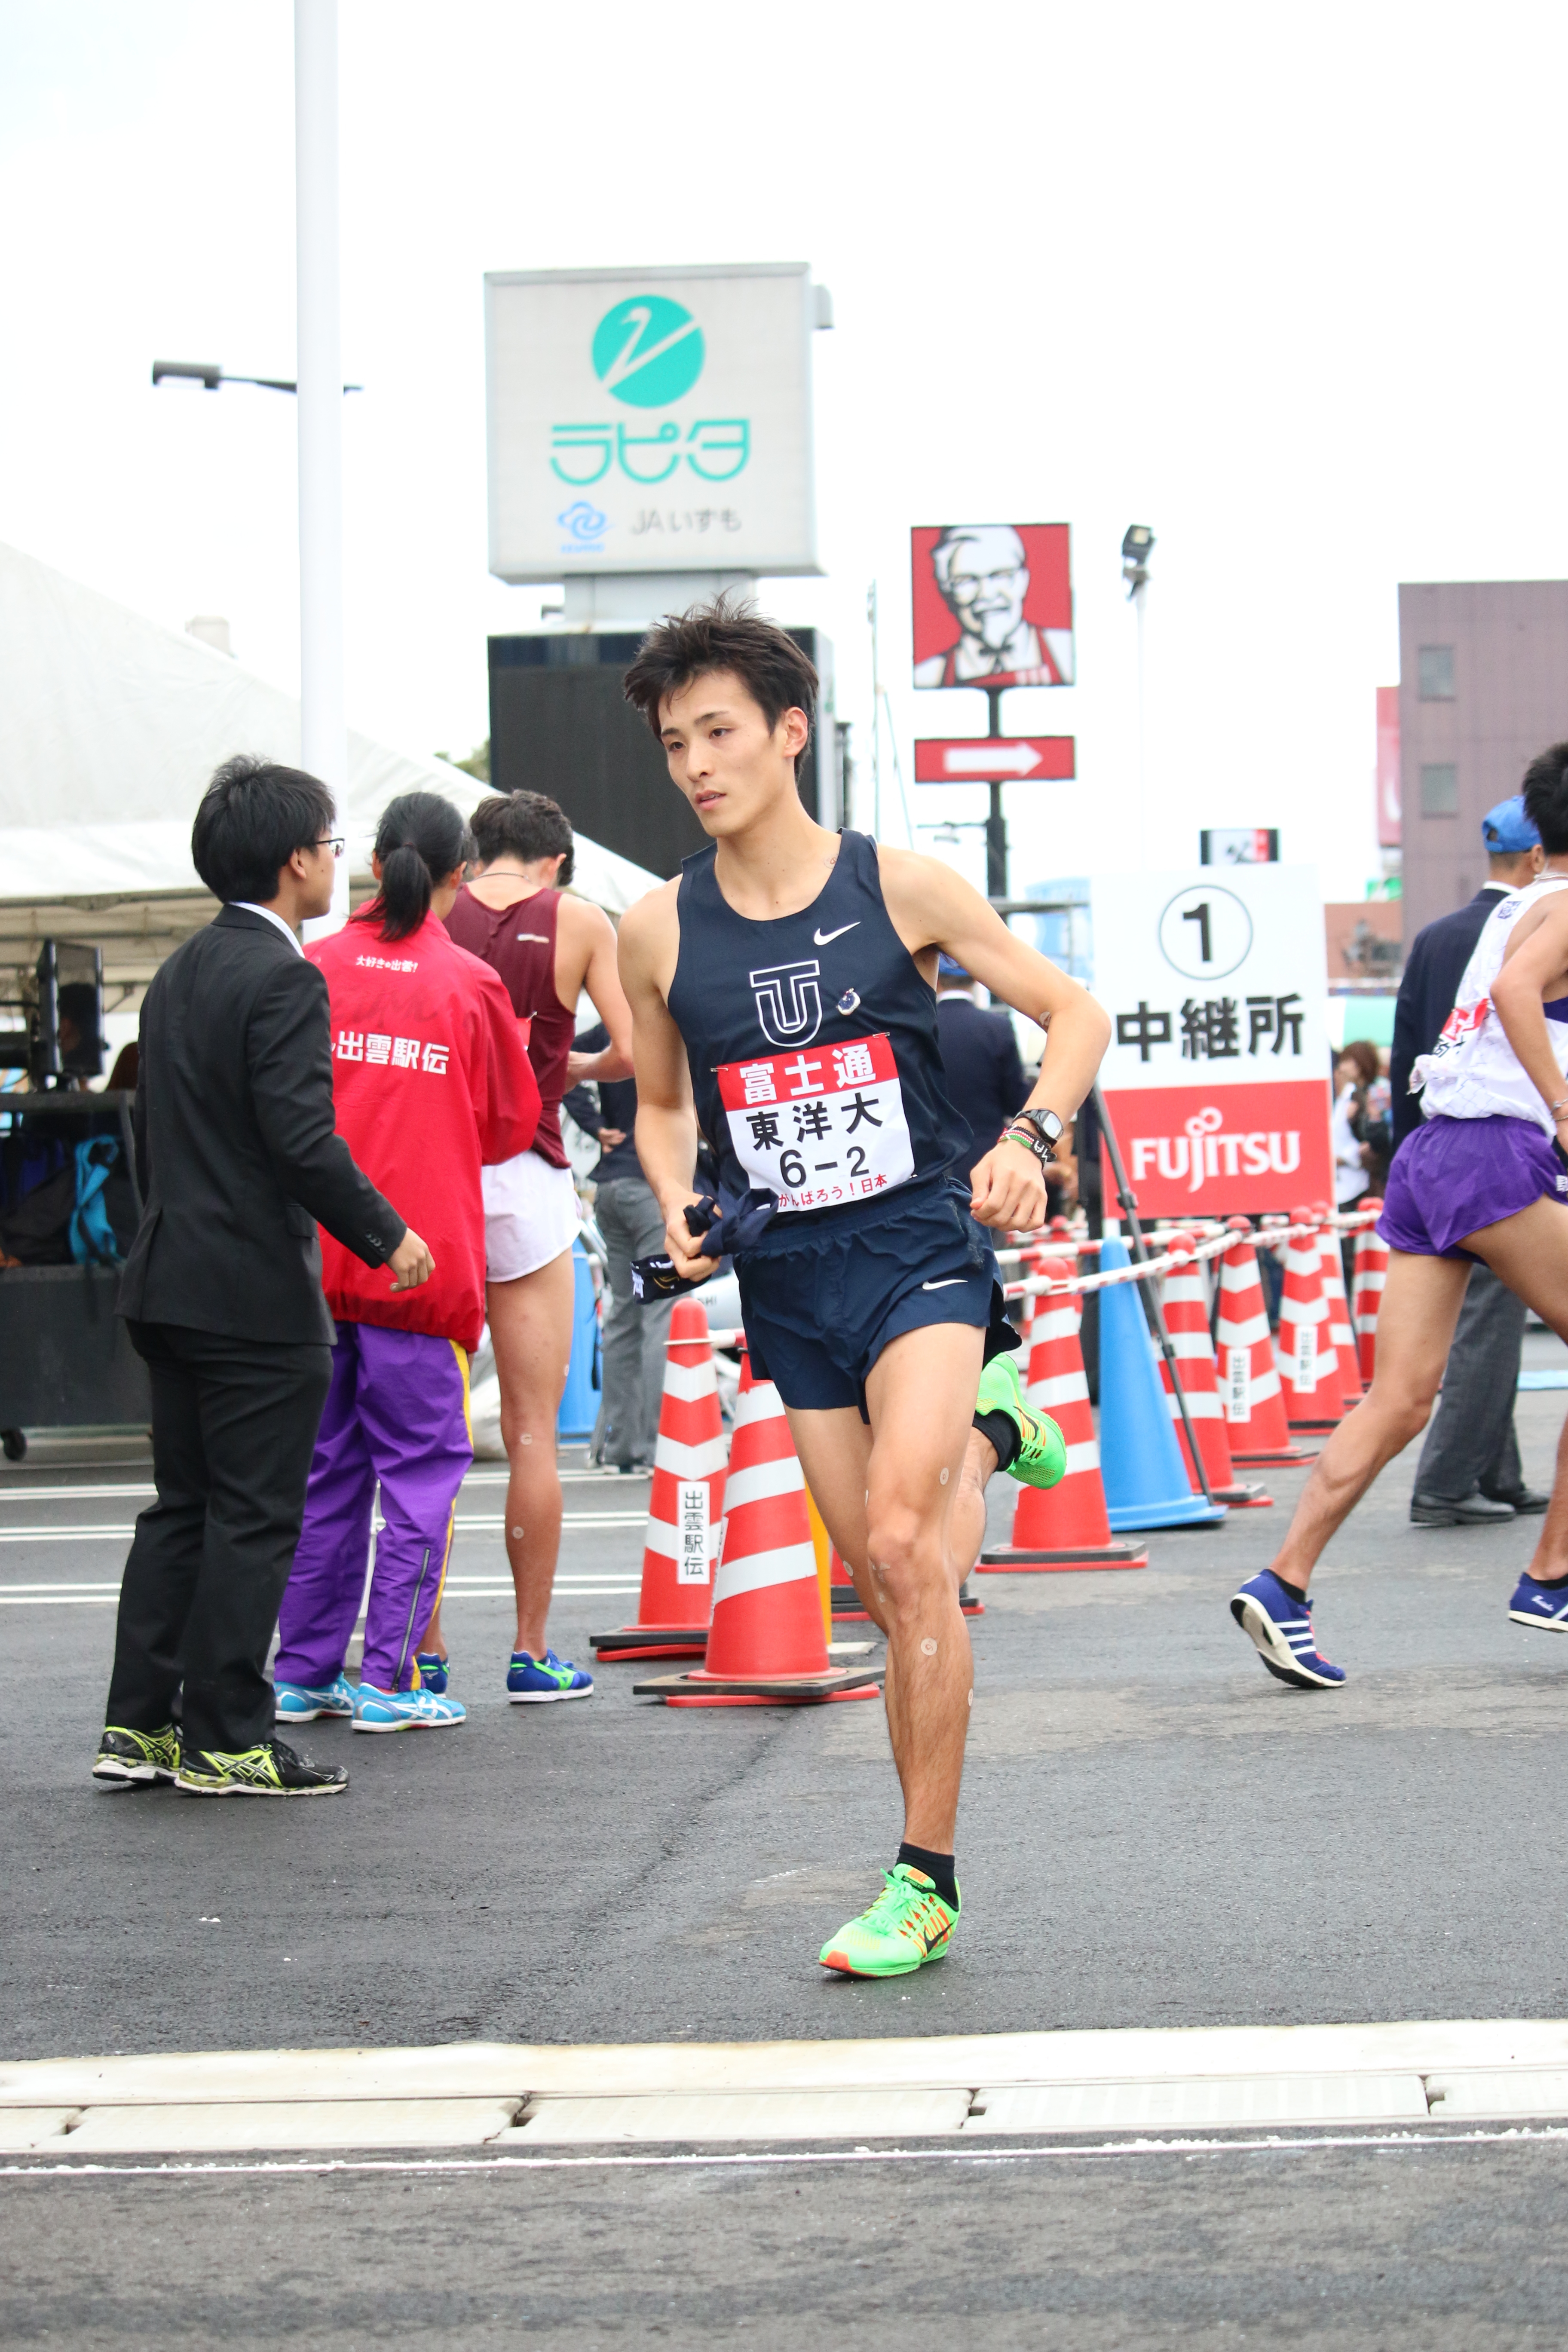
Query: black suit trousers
(234, 1429)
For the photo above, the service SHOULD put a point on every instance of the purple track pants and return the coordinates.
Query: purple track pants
(398, 1411)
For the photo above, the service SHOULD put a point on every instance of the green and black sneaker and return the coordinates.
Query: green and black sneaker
(1041, 1458)
(136, 1759)
(271, 1769)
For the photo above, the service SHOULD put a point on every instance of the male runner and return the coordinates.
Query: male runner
(1483, 1177)
(782, 1000)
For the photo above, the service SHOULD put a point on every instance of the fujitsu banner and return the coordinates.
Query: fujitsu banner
(1217, 1077)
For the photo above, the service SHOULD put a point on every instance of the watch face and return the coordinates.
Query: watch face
(1049, 1125)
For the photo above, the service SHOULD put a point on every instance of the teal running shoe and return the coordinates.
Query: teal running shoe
(433, 1672)
(535, 1682)
(1042, 1457)
(299, 1702)
(412, 1710)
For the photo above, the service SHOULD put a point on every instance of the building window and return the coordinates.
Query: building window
(1440, 789)
(1434, 672)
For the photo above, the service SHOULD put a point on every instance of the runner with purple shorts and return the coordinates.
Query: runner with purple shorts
(1483, 1177)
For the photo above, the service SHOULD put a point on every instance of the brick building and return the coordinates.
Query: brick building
(1483, 670)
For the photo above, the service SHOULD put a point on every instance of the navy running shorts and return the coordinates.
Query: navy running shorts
(821, 1304)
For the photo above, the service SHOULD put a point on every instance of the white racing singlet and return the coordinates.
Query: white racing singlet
(1472, 1072)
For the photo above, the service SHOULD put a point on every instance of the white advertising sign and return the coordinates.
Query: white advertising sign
(1217, 1077)
(650, 420)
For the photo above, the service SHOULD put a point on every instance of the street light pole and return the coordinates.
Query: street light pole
(323, 729)
(1137, 546)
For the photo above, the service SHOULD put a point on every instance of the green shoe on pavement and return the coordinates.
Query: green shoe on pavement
(908, 1925)
(133, 1759)
(1042, 1458)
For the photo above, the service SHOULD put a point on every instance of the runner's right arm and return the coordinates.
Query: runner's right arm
(1535, 972)
(666, 1119)
(586, 942)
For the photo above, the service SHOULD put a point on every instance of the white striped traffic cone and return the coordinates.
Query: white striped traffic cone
(1308, 1368)
(1064, 1526)
(1187, 1322)
(1255, 1427)
(685, 1507)
(1369, 1275)
(765, 1644)
(1340, 1328)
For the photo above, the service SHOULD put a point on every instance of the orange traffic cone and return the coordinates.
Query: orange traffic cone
(1255, 1427)
(1340, 1330)
(765, 1644)
(1309, 1370)
(1187, 1322)
(1370, 1274)
(1064, 1526)
(685, 1507)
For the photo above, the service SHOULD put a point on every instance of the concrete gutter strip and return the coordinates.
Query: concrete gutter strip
(497, 2096)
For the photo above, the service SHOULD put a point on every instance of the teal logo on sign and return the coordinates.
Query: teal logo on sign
(648, 350)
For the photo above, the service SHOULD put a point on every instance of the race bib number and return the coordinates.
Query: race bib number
(821, 1126)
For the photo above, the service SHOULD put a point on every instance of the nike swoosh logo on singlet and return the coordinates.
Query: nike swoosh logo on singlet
(537, 937)
(826, 938)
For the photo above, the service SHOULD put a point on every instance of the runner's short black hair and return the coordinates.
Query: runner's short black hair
(728, 633)
(254, 815)
(524, 825)
(1546, 798)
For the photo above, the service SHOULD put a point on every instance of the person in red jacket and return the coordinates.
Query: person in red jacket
(431, 1083)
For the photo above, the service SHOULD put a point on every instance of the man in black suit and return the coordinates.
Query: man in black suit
(1469, 1474)
(986, 1082)
(238, 1159)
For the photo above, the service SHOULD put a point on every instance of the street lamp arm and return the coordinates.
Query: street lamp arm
(212, 378)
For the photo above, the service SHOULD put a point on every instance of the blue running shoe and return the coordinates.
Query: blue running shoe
(297, 1703)
(414, 1710)
(433, 1673)
(1282, 1629)
(1545, 1605)
(534, 1682)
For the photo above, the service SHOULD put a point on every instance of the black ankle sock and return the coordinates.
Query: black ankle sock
(1297, 1591)
(938, 1868)
(1549, 1583)
(1003, 1433)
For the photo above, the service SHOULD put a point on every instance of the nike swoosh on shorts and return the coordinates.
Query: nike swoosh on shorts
(826, 938)
(946, 1285)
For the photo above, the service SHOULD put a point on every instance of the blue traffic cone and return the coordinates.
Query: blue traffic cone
(1146, 1483)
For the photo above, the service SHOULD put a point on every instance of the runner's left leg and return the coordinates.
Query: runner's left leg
(531, 1330)
(888, 1498)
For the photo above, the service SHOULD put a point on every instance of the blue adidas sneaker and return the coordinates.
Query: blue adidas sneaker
(1545, 1605)
(433, 1672)
(299, 1702)
(1280, 1629)
(534, 1682)
(414, 1710)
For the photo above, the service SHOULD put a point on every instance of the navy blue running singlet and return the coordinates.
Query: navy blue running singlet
(812, 1041)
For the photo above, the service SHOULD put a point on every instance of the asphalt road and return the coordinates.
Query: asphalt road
(1153, 1832)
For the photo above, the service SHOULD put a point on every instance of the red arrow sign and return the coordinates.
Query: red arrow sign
(994, 759)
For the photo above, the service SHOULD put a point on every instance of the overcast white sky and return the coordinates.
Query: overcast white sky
(1282, 281)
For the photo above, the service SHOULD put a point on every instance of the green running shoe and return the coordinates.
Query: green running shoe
(133, 1759)
(270, 1769)
(1041, 1458)
(908, 1925)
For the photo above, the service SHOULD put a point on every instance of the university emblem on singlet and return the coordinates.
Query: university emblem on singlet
(789, 1002)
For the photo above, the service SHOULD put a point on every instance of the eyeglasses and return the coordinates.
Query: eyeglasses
(336, 842)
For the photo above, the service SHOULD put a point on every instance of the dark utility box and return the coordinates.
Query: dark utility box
(560, 725)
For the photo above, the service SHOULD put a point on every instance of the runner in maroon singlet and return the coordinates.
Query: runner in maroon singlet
(548, 947)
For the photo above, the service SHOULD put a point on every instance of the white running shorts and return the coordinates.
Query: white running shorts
(531, 1215)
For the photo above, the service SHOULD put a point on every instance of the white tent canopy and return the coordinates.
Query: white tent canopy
(110, 727)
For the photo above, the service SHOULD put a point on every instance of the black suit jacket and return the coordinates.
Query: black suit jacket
(1433, 972)
(980, 1060)
(235, 1144)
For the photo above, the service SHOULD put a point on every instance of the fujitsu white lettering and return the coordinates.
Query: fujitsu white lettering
(1201, 1154)
(1280, 1164)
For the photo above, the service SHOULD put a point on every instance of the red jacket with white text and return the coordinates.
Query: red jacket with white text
(431, 1082)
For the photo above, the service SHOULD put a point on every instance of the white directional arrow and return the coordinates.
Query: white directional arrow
(986, 758)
